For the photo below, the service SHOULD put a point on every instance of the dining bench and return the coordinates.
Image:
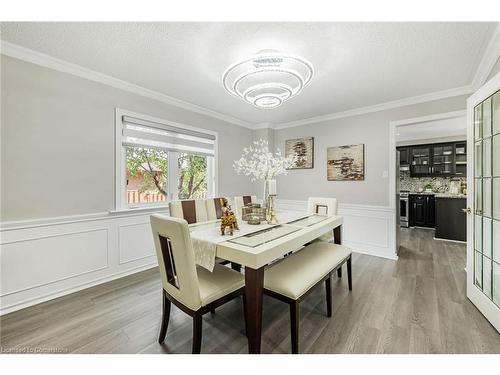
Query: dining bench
(294, 277)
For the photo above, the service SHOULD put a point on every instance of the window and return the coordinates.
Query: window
(192, 181)
(158, 161)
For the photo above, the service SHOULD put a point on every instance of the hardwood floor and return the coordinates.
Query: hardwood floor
(414, 305)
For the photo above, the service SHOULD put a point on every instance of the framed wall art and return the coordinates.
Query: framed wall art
(346, 163)
(304, 149)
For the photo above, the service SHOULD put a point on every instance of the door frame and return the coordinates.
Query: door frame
(393, 125)
(483, 303)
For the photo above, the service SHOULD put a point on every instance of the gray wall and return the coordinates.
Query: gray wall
(372, 129)
(57, 138)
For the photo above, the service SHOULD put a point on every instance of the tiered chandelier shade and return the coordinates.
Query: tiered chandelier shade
(268, 79)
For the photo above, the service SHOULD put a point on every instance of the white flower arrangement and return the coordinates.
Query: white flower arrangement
(261, 164)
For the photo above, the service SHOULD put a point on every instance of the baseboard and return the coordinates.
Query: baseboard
(65, 255)
(447, 240)
(50, 258)
(47, 297)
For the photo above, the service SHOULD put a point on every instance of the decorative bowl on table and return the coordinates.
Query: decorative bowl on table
(253, 212)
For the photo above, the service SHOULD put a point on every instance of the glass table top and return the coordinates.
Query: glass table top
(308, 221)
(265, 235)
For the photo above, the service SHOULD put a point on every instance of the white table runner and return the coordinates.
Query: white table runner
(205, 236)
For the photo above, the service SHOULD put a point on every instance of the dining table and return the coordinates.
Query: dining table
(255, 247)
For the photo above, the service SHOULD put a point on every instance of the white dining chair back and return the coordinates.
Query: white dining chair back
(322, 206)
(176, 259)
(192, 210)
(214, 208)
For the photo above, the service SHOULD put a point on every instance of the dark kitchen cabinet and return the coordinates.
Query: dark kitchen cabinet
(423, 210)
(435, 160)
(451, 221)
(420, 161)
(443, 161)
(404, 155)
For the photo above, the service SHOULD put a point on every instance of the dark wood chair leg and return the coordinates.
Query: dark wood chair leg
(339, 271)
(294, 326)
(165, 317)
(328, 290)
(349, 273)
(236, 266)
(197, 328)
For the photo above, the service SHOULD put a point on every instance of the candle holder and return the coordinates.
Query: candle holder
(271, 209)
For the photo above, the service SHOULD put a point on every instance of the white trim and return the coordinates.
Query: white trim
(392, 143)
(392, 156)
(50, 296)
(447, 240)
(120, 164)
(489, 59)
(72, 219)
(38, 58)
(482, 302)
(464, 90)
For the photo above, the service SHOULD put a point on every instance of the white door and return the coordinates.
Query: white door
(483, 200)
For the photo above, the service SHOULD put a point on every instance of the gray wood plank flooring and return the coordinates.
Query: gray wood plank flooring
(414, 305)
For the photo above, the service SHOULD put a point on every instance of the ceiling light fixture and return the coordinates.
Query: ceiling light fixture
(268, 79)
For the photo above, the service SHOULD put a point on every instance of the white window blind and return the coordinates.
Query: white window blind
(144, 133)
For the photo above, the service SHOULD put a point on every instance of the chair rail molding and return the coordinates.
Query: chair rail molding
(118, 244)
(63, 255)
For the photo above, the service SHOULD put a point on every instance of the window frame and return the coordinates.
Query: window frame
(121, 203)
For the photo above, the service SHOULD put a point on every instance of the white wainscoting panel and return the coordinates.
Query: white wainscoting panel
(49, 259)
(367, 229)
(45, 259)
(136, 242)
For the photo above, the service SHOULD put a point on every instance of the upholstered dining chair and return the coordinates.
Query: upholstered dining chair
(214, 208)
(193, 210)
(323, 206)
(241, 201)
(191, 288)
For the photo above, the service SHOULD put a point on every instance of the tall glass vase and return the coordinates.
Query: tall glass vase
(269, 189)
(265, 196)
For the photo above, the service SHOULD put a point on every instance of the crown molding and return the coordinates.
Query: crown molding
(489, 59)
(264, 125)
(463, 90)
(38, 58)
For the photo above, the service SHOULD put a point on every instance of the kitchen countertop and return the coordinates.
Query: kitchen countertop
(439, 195)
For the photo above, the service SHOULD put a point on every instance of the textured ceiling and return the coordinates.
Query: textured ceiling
(357, 64)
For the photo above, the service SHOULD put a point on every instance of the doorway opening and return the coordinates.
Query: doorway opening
(427, 175)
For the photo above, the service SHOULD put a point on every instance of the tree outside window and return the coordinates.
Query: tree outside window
(192, 182)
(146, 175)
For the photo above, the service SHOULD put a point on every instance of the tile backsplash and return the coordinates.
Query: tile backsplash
(415, 184)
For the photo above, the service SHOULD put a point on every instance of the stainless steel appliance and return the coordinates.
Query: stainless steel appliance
(404, 209)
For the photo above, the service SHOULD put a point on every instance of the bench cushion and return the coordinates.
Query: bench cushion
(296, 274)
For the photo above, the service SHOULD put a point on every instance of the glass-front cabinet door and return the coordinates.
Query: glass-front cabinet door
(443, 159)
(421, 160)
(483, 247)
